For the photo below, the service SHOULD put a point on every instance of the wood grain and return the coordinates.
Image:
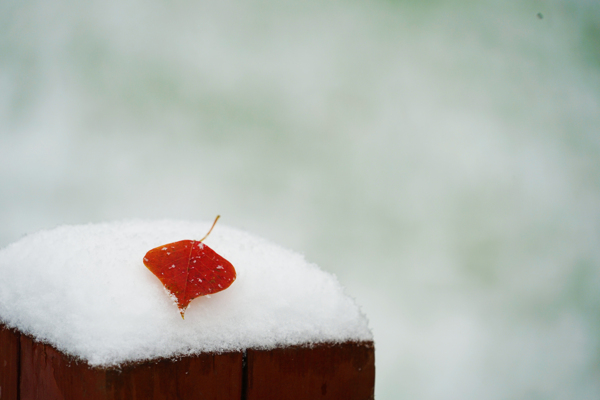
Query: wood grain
(30, 370)
(327, 371)
(47, 374)
(9, 364)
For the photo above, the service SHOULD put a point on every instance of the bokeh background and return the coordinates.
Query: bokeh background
(442, 158)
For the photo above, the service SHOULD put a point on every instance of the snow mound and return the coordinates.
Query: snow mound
(85, 290)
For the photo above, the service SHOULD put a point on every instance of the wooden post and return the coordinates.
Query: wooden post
(325, 371)
(47, 374)
(30, 370)
(9, 364)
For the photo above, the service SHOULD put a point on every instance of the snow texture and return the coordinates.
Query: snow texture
(85, 290)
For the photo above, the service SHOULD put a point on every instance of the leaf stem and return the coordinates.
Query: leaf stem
(211, 228)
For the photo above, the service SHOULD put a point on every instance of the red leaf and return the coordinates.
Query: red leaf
(189, 269)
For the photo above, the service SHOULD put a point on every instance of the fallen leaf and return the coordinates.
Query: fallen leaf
(190, 269)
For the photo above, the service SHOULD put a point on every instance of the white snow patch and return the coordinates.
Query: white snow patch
(85, 290)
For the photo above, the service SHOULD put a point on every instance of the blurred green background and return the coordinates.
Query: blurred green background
(442, 158)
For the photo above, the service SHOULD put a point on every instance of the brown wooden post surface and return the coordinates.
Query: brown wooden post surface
(47, 374)
(30, 370)
(205, 376)
(329, 371)
(9, 363)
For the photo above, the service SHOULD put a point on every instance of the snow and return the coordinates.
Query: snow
(85, 290)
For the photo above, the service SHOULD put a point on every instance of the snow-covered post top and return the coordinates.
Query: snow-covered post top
(85, 290)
